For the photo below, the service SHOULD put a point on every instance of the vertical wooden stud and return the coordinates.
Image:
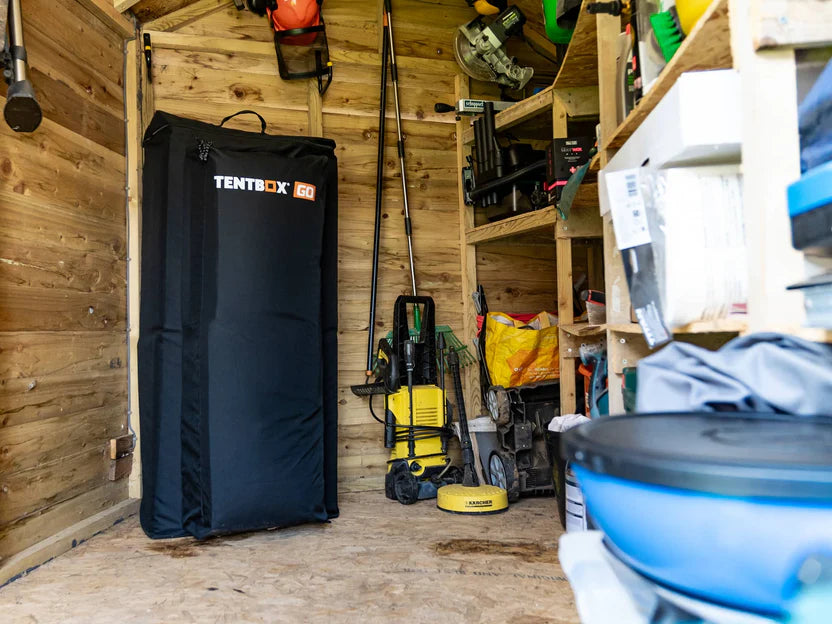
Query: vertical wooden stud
(134, 62)
(769, 135)
(468, 260)
(563, 252)
(316, 119)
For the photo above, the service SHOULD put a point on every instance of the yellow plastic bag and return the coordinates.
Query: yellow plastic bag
(515, 356)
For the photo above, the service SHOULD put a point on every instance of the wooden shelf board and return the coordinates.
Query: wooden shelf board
(580, 63)
(707, 47)
(595, 164)
(815, 334)
(515, 115)
(521, 224)
(733, 325)
(583, 329)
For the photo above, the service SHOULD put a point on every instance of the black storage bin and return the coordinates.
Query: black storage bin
(238, 345)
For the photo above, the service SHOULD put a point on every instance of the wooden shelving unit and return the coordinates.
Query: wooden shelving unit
(725, 39)
(574, 93)
(513, 226)
(518, 113)
(707, 47)
(735, 325)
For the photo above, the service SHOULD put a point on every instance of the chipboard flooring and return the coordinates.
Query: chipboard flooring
(378, 562)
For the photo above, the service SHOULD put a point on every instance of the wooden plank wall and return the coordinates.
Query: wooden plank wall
(63, 374)
(212, 60)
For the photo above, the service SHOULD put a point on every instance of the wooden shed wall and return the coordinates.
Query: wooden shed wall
(210, 60)
(63, 374)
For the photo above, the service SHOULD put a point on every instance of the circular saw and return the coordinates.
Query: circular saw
(480, 49)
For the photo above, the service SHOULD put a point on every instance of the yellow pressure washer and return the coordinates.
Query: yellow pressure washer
(417, 414)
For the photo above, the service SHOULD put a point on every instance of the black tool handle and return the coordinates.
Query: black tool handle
(248, 112)
(469, 478)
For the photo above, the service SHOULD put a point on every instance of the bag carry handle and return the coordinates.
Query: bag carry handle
(250, 112)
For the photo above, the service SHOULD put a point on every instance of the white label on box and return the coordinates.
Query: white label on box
(627, 206)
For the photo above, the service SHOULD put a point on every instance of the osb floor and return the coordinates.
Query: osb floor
(379, 562)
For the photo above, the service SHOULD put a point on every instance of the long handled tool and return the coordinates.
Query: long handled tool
(468, 497)
(385, 46)
(394, 72)
(22, 111)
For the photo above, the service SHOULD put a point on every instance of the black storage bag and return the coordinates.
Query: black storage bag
(238, 352)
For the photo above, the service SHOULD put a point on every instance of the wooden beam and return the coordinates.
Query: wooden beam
(521, 224)
(120, 468)
(121, 446)
(468, 262)
(580, 64)
(186, 15)
(43, 551)
(792, 23)
(133, 99)
(771, 161)
(123, 5)
(316, 121)
(106, 12)
(538, 104)
(579, 101)
(200, 43)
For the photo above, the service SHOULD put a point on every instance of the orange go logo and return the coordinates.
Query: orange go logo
(304, 191)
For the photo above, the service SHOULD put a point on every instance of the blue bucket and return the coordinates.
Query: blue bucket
(723, 507)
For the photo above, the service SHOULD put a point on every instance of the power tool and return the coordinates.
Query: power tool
(480, 49)
(417, 414)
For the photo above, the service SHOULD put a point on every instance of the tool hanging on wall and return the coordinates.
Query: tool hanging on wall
(299, 39)
(22, 111)
(453, 342)
(479, 48)
(382, 117)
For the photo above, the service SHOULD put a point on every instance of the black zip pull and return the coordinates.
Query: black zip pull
(204, 148)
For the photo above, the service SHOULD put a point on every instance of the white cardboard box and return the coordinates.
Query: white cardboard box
(697, 122)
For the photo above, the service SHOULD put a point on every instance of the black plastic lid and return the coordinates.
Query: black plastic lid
(746, 455)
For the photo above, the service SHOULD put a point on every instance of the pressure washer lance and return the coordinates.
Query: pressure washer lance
(410, 366)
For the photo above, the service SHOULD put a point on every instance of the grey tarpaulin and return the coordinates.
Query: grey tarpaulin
(756, 373)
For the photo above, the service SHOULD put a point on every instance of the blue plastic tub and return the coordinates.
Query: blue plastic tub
(723, 507)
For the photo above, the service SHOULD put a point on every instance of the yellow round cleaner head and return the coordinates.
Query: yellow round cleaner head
(480, 499)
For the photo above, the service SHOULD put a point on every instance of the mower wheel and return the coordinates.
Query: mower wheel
(407, 488)
(503, 471)
(499, 405)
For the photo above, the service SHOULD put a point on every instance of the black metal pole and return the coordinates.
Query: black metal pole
(385, 46)
(22, 111)
(469, 475)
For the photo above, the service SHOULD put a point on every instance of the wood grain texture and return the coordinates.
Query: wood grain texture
(63, 377)
(67, 538)
(794, 23)
(105, 12)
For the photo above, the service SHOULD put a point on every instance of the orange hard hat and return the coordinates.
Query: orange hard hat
(291, 14)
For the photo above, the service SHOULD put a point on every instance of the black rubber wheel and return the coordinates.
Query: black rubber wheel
(390, 485)
(503, 472)
(407, 488)
(499, 405)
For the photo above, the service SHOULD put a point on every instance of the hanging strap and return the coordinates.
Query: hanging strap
(250, 112)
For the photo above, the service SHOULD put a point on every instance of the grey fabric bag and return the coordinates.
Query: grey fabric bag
(757, 373)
